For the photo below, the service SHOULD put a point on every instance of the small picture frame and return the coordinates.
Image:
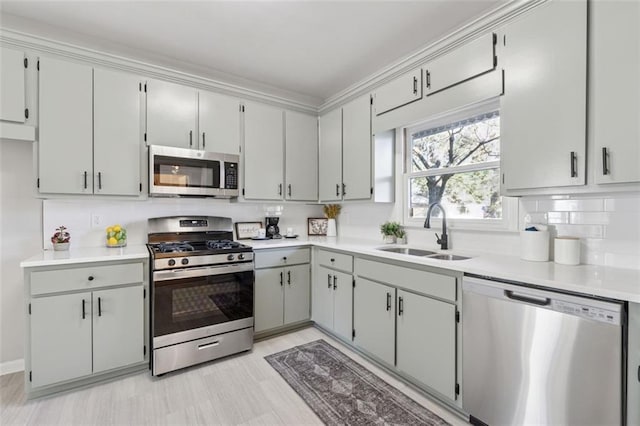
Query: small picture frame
(317, 225)
(246, 230)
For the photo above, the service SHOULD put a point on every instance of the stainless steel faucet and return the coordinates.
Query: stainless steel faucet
(444, 239)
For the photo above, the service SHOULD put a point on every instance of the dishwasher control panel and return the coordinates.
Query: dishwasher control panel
(585, 311)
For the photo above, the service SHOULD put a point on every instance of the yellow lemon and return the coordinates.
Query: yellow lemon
(109, 229)
(117, 228)
(112, 241)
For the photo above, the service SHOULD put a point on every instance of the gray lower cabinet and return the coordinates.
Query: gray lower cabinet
(374, 310)
(85, 322)
(282, 293)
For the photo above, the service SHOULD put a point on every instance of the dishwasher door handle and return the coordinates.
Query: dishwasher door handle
(540, 301)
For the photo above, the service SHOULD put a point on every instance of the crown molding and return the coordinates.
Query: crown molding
(42, 45)
(480, 26)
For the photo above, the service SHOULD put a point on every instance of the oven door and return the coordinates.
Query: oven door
(198, 302)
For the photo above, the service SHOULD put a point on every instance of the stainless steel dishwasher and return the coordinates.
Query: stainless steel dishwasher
(534, 357)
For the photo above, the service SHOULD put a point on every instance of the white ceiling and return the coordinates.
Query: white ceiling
(313, 48)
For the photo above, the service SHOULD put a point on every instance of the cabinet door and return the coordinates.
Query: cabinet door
(614, 90)
(543, 118)
(322, 298)
(426, 341)
(296, 293)
(171, 114)
(12, 96)
(269, 298)
(65, 152)
(374, 310)
(301, 156)
(263, 152)
(343, 304)
(356, 149)
(117, 129)
(403, 90)
(462, 63)
(219, 123)
(330, 156)
(118, 328)
(60, 338)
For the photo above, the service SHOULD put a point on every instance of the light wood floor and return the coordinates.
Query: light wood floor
(241, 389)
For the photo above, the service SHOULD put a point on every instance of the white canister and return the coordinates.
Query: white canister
(534, 245)
(567, 250)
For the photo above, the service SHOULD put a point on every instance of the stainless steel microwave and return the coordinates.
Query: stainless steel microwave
(190, 172)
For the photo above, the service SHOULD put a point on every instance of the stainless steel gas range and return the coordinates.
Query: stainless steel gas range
(202, 291)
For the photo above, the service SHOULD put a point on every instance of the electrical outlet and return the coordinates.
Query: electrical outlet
(96, 220)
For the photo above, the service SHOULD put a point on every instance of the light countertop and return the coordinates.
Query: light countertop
(601, 281)
(86, 255)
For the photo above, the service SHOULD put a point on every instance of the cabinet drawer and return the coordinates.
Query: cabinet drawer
(427, 283)
(43, 282)
(281, 257)
(343, 262)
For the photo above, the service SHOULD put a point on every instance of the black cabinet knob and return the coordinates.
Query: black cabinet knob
(90, 278)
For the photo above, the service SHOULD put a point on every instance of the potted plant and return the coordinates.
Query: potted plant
(331, 212)
(389, 231)
(61, 239)
(401, 236)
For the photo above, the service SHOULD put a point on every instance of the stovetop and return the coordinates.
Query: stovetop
(197, 248)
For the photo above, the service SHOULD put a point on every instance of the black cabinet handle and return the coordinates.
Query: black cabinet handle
(328, 280)
(190, 137)
(344, 189)
(289, 278)
(388, 301)
(289, 190)
(281, 278)
(90, 278)
(335, 279)
(415, 85)
(99, 306)
(85, 180)
(400, 306)
(605, 161)
(99, 180)
(428, 80)
(332, 260)
(84, 312)
(204, 142)
(337, 189)
(279, 189)
(574, 164)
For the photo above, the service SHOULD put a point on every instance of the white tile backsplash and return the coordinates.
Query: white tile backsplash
(583, 218)
(573, 205)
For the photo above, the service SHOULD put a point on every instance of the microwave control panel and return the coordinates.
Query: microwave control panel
(230, 175)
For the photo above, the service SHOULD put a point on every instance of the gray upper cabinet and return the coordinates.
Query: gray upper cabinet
(374, 309)
(463, 63)
(172, 114)
(614, 90)
(401, 91)
(12, 81)
(301, 156)
(60, 338)
(65, 160)
(263, 152)
(218, 123)
(330, 156)
(117, 131)
(356, 149)
(543, 109)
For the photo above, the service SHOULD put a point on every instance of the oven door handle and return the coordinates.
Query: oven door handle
(176, 274)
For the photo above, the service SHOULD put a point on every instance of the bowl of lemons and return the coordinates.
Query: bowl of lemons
(116, 236)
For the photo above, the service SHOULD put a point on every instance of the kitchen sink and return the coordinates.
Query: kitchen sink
(406, 250)
(442, 256)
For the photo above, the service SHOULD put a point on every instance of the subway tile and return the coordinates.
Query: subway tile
(558, 217)
(581, 231)
(589, 205)
(622, 204)
(528, 206)
(589, 218)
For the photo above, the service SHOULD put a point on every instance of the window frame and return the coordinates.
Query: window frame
(509, 220)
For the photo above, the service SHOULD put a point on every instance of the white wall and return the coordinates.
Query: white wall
(20, 236)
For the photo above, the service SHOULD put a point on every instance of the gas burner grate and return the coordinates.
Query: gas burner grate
(174, 247)
(222, 244)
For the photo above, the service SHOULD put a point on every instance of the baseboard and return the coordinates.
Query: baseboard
(11, 366)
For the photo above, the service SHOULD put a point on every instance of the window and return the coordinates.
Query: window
(456, 164)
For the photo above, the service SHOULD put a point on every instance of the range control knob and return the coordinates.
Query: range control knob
(184, 261)
(241, 256)
(171, 262)
(230, 257)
